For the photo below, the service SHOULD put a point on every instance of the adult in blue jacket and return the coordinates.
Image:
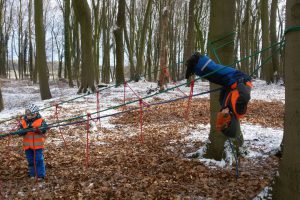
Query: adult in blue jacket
(234, 95)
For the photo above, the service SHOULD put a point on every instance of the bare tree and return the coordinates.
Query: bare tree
(41, 62)
(287, 183)
(83, 14)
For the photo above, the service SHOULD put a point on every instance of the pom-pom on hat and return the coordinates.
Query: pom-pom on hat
(32, 108)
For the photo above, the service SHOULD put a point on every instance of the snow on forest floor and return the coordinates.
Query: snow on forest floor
(120, 165)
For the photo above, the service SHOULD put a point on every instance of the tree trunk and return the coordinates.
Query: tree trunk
(106, 47)
(41, 62)
(267, 68)
(96, 38)
(163, 60)
(83, 14)
(142, 41)
(67, 42)
(287, 184)
(221, 23)
(118, 32)
(30, 55)
(273, 32)
(190, 37)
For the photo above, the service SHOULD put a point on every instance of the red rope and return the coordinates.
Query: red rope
(190, 99)
(138, 96)
(98, 107)
(174, 83)
(141, 120)
(60, 132)
(124, 101)
(34, 162)
(87, 139)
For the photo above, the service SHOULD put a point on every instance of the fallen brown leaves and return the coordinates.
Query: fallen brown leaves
(125, 168)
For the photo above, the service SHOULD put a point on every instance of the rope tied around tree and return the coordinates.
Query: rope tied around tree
(192, 84)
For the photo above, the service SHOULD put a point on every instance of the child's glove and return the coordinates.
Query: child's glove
(38, 131)
(21, 133)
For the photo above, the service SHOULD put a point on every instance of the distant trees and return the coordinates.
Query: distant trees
(186, 30)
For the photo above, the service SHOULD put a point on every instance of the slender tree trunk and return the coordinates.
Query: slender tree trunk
(140, 58)
(30, 55)
(273, 36)
(287, 184)
(67, 42)
(163, 60)
(190, 37)
(83, 14)
(267, 68)
(96, 38)
(41, 62)
(118, 32)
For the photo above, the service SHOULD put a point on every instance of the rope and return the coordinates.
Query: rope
(291, 29)
(98, 106)
(189, 100)
(87, 139)
(124, 101)
(59, 129)
(34, 163)
(141, 120)
(236, 159)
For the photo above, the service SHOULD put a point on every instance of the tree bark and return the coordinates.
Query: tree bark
(118, 32)
(221, 23)
(67, 42)
(141, 49)
(273, 36)
(267, 68)
(41, 62)
(163, 59)
(83, 14)
(287, 184)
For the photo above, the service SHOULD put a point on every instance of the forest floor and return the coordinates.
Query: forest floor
(123, 164)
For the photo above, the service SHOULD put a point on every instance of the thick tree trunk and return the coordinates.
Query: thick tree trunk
(83, 14)
(221, 24)
(41, 62)
(287, 184)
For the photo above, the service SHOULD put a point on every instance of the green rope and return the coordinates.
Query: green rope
(114, 107)
(223, 37)
(292, 28)
(172, 88)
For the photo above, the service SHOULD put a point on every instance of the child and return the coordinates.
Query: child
(33, 141)
(234, 95)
